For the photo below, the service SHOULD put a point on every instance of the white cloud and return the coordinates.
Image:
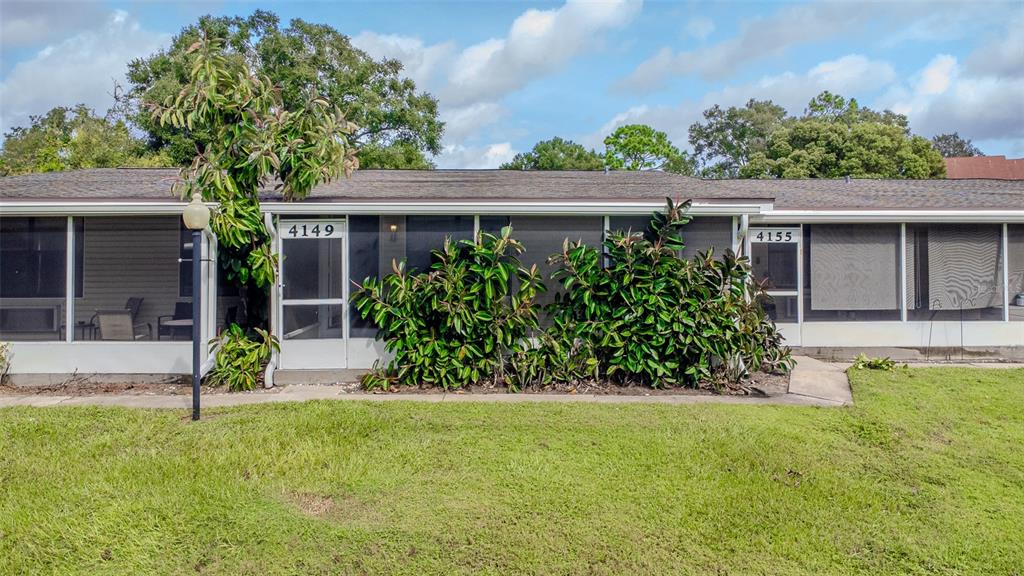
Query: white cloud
(758, 39)
(80, 69)
(420, 62)
(462, 123)
(937, 75)
(538, 43)
(849, 75)
(25, 23)
(1003, 54)
(490, 156)
(699, 27)
(944, 97)
(471, 82)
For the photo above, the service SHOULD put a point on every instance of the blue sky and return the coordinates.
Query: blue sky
(508, 74)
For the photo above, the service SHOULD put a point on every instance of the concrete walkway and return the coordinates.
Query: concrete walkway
(813, 383)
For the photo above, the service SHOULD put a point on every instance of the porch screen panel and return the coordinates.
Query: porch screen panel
(131, 281)
(424, 234)
(364, 239)
(1015, 237)
(543, 236)
(33, 277)
(853, 267)
(957, 272)
(699, 235)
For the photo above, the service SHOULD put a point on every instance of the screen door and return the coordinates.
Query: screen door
(313, 294)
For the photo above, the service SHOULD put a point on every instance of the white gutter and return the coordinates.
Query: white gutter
(504, 208)
(105, 208)
(893, 216)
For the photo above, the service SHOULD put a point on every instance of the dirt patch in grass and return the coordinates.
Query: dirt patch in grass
(310, 504)
(83, 386)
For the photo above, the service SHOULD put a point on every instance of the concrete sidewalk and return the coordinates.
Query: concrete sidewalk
(813, 383)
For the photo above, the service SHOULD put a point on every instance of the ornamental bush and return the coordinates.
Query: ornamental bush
(457, 324)
(636, 312)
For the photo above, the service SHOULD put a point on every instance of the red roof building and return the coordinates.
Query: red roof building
(990, 167)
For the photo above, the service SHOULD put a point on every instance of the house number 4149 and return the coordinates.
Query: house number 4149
(311, 230)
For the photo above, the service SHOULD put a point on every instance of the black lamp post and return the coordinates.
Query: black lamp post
(196, 216)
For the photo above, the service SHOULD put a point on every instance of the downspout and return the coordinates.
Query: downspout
(268, 375)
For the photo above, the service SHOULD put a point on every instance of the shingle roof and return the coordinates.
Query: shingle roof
(507, 185)
(998, 167)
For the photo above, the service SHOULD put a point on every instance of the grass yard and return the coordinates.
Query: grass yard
(925, 475)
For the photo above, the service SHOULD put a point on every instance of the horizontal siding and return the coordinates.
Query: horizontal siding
(126, 258)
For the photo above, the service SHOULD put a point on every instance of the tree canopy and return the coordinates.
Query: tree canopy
(641, 147)
(556, 154)
(818, 148)
(70, 138)
(724, 142)
(385, 106)
(834, 137)
(953, 146)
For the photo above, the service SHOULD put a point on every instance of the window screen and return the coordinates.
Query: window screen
(699, 235)
(853, 272)
(954, 272)
(1015, 240)
(33, 276)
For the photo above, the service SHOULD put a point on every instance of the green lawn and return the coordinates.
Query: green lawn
(925, 475)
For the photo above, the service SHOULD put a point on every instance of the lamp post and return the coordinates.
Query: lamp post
(196, 216)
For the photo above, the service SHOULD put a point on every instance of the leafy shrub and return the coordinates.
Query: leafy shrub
(241, 359)
(651, 317)
(458, 323)
(863, 362)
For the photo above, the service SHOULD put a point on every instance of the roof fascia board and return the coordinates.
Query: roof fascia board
(892, 216)
(504, 208)
(341, 208)
(77, 208)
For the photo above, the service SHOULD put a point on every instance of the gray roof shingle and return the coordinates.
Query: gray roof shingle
(507, 185)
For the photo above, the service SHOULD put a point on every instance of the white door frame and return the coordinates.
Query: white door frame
(791, 331)
(313, 353)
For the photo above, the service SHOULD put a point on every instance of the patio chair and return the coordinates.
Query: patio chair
(182, 311)
(132, 305)
(118, 325)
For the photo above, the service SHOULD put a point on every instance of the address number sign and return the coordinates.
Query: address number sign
(312, 228)
(775, 235)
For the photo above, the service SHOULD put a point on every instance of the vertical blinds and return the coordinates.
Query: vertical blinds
(855, 266)
(964, 267)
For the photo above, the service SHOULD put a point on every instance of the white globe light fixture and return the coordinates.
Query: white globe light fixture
(196, 214)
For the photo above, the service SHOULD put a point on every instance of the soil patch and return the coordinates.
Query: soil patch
(759, 384)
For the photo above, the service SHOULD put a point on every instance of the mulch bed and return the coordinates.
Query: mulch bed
(760, 384)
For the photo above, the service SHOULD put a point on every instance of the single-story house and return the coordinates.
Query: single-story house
(95, 278)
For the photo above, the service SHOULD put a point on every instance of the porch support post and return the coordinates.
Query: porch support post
(69, 283)
(197, 316)
(1006, 272)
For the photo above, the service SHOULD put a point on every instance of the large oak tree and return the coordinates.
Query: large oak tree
(386, 106)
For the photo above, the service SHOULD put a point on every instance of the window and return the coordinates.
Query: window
(33, 276)
(852, 272)
(774, 264)
(130, 274)
(954, 272)
(34, 252)
(1015, 241)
